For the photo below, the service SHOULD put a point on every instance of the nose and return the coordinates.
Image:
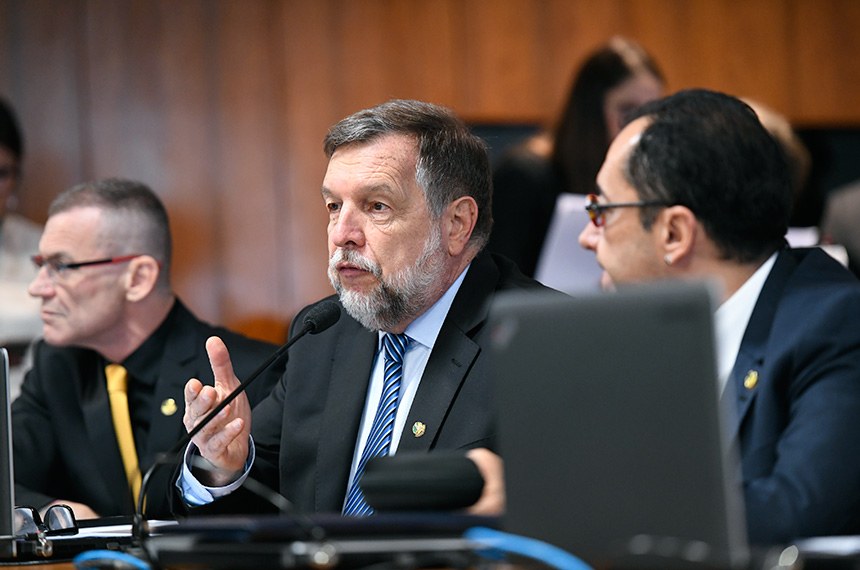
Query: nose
(588, 237)
(42, 285)
(346, 229)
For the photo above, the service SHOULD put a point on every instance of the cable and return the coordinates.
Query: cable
(109, 559)
(308, 527)
(497, 541)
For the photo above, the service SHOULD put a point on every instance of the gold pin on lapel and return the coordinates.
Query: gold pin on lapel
(168, 407)
(418, 429)
(751, 379)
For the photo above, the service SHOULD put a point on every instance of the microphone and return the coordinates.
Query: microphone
(318, 318)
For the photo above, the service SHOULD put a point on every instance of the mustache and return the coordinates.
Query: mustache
(353, 258)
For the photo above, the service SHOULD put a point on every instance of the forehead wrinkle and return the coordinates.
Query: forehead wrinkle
(362, 191)
(385, 152)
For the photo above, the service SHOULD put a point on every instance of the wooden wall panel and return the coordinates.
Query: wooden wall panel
(391, 49)
(188, 176)
(501, 56)
(571, 31)
(122, 96)
(824, 52)
(246, 99)
(222, 105)
(425, 51)
(311, 101)
(147, 100)
(43, 79)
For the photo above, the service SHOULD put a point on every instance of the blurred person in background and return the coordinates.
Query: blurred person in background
(104, 396)
(19, 239)
(612, 82)
(799, 161)
(839, 224)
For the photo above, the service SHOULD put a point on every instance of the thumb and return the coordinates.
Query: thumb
(222, 367)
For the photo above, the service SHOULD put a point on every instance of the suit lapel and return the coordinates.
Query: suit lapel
(350, 375)
(449, 363)
(744, 381)
(452, 357)
(750, 370)
(182, 359)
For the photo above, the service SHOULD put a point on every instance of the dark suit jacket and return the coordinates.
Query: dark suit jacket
(64, 442)
(799, 423)
(305, 432)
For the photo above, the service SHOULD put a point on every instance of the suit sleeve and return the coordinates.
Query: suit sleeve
(802, 465)
(32, 440)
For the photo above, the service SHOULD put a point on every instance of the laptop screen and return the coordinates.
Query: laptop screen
(7, 489)
(610, 427)
(561, 265)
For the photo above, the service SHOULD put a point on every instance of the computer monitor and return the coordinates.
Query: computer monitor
(7, 471)
(611, 429)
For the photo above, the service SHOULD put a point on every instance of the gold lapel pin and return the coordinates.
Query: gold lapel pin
(751, 379)
(168, 407)
(418, 429)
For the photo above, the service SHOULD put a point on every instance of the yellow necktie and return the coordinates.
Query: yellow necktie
(117, 385)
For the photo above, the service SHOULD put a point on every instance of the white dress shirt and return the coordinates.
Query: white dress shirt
(423, 331)
(733, 317)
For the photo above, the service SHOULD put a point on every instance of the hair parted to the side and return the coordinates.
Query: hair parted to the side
(708, 151)
(452, 161)
(136, 219)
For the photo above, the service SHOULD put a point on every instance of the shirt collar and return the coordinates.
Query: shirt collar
(425, 329)
(144, 363)
(732, 318)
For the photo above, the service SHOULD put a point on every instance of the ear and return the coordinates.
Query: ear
(141, 277)
(677, 234)
(459, 222)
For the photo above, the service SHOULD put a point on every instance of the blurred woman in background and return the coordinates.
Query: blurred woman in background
(613, 81)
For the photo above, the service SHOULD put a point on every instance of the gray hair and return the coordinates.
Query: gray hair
(136, 219)
(452, 161)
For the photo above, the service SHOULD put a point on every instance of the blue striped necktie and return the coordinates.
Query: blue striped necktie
(379, 440)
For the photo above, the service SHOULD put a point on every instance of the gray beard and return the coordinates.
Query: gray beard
(398, 299)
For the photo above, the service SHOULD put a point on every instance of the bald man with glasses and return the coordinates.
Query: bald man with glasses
(110, 317)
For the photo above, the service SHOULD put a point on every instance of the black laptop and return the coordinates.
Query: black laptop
(611, 430)
(7, 485)
(102, 534)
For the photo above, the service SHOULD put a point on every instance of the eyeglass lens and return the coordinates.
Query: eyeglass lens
(595, 212)
(59, 519)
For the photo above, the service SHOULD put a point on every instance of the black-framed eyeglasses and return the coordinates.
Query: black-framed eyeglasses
(58, 519)
(597, 210)
(57, 268)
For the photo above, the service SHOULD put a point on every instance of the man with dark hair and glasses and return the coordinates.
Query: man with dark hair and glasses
(106, 299)
(695, 188)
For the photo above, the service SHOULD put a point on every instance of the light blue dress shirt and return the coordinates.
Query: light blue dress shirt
(423, 331)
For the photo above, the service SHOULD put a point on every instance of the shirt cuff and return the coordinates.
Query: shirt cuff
(197, 494)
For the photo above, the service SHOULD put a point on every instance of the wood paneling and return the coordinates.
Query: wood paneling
(221, 105)
(824, 50)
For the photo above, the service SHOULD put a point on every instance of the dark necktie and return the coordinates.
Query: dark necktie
(379, 440)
